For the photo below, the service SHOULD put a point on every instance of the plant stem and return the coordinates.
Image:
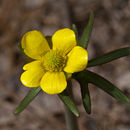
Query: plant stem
(71, 119)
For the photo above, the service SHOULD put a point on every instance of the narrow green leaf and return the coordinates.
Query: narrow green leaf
(86, 97)
(20, 47)
(66, 99)
(75, 31)
(25, 102)
(105, 85)
(85, 93)
(87, 32)
(49, 40)
(113, 55)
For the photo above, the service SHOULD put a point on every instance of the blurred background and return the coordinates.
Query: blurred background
(111, 31)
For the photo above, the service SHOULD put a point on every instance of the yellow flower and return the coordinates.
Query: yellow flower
(48, 69)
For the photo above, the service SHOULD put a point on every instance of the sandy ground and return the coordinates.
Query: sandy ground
(111, 31)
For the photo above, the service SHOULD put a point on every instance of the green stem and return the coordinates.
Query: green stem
(71, 120)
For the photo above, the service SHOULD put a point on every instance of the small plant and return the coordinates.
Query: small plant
(56, 59)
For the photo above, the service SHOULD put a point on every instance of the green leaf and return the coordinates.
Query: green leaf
(85, 93)
(105, 85)
(75, 31)
(25, 102)
(68, 75)
(86, 97)
(20, 47)
(49, 40)
(87, 32)
(66, 99)
(113, 55)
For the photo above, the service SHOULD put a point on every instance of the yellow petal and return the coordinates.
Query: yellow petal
(32, 65)
(64, 40)
(53, 82)
(77, 60)
(32, 76)
(34, 44)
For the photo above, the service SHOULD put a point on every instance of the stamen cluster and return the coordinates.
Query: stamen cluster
(54, 60)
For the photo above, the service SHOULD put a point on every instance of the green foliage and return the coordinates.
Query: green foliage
(103, 84)
(87, 32)
(49, 40)
(75, 31)
(67, 100)
(84, 92)
(85, 76)
(86, 98)
(108, 57)
(85, 95)
(25, 102)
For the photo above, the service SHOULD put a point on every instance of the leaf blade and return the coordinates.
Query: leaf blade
(75, 31)
(86, 98)
(28, 98)
(87, 32)
(85, 94)
(49, 40)
(66, 99)
(105, 85)
(108, 57)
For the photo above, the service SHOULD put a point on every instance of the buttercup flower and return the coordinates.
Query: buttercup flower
(50, 65)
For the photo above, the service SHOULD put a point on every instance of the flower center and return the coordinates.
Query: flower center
(54, 60)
